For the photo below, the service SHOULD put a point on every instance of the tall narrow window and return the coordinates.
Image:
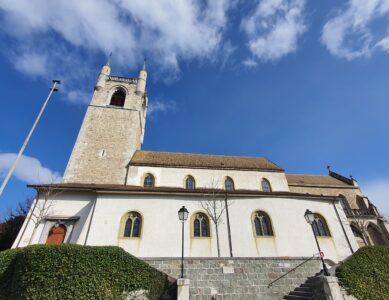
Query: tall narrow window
(265, 185)
(262, 224)
(229, 184)
(201, 225)
(190, 183)
(118, 98)
(148, 181)
(133, 225)
(320, 227)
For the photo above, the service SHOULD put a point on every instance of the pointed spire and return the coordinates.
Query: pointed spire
(144, 65)
(109, 59)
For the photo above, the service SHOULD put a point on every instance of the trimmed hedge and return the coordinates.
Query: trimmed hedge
(75, 272)
(366, 274)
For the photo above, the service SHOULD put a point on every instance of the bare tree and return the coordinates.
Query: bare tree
(11, 223)
(215, 205)
(41, 206)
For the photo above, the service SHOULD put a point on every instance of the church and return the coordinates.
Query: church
(115, 193)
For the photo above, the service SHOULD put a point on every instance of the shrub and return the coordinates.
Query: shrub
(75, 272)
(366, 274)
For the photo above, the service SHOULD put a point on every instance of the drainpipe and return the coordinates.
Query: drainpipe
(228, 225)
(341, 224)
(90, 221)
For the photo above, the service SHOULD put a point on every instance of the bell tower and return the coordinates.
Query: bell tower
(112, 130)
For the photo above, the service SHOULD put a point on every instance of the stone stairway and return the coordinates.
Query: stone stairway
(306, 290)
(242, 278)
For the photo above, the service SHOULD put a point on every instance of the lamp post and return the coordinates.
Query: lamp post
(182, 216)
(310, 218)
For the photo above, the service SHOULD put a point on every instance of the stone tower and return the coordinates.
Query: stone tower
(112, 130)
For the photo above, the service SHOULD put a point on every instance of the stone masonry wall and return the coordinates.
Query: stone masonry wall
(108, 138)
(239, 278)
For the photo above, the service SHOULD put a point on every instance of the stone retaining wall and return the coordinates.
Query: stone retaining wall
(238, 278)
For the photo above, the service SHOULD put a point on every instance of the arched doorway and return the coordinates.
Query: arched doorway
(375, 235)
(56, 235)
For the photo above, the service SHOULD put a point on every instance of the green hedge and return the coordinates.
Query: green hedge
(366, 274)
(75, 272)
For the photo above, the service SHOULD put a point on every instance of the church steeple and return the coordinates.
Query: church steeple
(141, 84)
(104, 73)
(112, 130)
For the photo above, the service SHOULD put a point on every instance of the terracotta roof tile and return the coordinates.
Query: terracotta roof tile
(314, 180)
(189, 160)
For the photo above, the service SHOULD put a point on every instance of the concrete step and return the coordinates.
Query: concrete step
(308, 285)
(292, 297)
(300, 293)
(303, 289)
(313, 279)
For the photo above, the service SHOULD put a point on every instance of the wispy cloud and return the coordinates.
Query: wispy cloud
(273, 29)
(50, 33)
(31, 63)
(250, 63)
(29, 169)
(378, 192)
(349, 32)
(161, 106)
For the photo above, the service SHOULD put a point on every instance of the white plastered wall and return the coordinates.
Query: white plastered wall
(161, 232)
(206, 178)
(63, 206)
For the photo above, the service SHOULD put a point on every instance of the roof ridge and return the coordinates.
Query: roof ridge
(190, 153)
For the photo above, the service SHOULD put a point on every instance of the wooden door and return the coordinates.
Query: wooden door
(56, 235)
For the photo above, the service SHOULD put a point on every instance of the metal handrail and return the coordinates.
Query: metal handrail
(291, 270)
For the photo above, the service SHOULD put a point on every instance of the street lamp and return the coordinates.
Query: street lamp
(182, 216)
(310, 218)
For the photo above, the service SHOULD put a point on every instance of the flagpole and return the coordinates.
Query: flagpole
(12, 169)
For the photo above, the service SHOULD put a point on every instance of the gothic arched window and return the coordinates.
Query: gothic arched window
(201, 225)
(229, 184)
(262, 224)
(265, 185)
(320, 227)
(148, 181)
(190, 183)
(133, 225)
(118, 98)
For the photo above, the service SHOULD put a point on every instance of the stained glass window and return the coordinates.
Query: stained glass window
(201, 225)
(148, 181)
(229, 184)
(133, 225)
(262, 224)
(266, 186)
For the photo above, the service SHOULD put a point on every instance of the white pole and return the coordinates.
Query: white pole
(12, 169)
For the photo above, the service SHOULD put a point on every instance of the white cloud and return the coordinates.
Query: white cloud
(79, 96)
(384, 44)
(31, 63)
(250, 63)
(348, 34)
(274, 28)
(28, 169)
(378, 193)
(160, 106)
(164, 31)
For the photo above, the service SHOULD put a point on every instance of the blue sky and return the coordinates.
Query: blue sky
(304, 84)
